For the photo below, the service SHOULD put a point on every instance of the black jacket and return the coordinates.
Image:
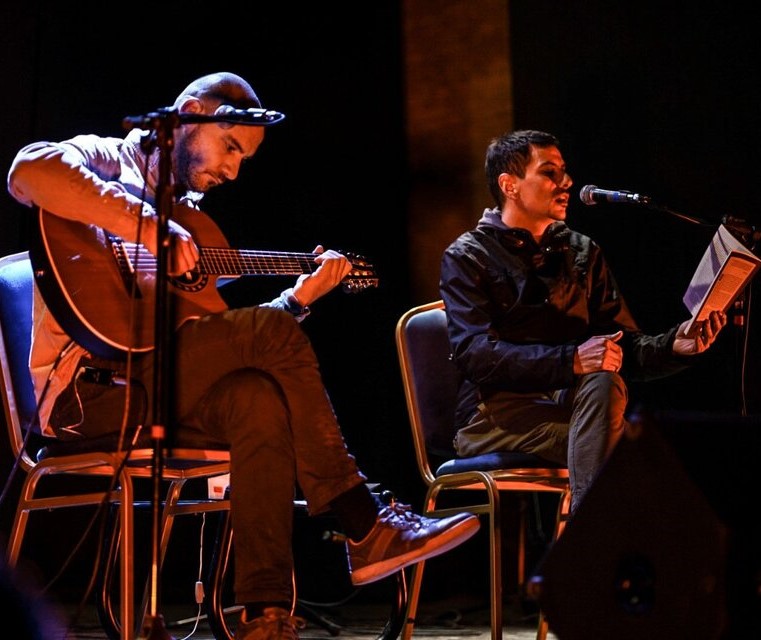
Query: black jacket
(517, 310)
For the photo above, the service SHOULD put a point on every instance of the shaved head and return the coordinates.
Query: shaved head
(221, 88)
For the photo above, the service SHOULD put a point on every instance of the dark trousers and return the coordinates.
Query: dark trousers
(577, 427)
(248, 380)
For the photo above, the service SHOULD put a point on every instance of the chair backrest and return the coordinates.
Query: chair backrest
(16, 296)
(431, 381)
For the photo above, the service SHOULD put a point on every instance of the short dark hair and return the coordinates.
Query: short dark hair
(510, 153)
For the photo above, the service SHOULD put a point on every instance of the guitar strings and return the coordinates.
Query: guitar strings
(228, 261)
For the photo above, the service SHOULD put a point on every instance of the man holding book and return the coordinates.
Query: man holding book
(538, 326)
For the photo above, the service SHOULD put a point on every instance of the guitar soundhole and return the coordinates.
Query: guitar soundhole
(191, 282)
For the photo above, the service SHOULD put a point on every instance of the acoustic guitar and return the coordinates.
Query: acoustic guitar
(102, 290)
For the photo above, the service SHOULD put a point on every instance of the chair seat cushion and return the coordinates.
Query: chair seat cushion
(54, 447)
(494, 461)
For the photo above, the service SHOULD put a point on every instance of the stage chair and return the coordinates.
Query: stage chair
(56, 458)
(430, 381)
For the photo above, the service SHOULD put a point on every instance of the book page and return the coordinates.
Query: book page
(736, 271)
(725, 269)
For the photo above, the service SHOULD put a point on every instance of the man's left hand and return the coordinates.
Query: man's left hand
(703, 338)
(332, 268)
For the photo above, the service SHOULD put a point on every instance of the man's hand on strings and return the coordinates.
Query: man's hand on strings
(183, 254)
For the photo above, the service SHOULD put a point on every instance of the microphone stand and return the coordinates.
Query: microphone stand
(750, 237)
(162, 123)
(648, 203)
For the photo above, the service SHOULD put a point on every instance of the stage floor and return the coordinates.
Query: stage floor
(442, 621)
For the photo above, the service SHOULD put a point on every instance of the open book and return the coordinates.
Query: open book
(725, 269)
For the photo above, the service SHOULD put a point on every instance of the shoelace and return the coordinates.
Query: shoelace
(287, 625)
(290, 625)
(401, 516)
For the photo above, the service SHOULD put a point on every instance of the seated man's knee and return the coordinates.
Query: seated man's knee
(602, 392)
(247, 395)
(608, 390)
(605, 386)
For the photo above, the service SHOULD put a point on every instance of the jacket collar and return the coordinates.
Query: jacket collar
(556, 235)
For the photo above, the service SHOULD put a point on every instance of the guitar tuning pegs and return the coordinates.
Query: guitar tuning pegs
(354, 285)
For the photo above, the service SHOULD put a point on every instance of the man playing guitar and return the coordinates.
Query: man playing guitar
(245, 379)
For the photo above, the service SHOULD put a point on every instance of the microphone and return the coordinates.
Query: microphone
(224, 113)
(590, 194)
(260, 117)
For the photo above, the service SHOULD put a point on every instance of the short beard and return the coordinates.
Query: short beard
(183, 159)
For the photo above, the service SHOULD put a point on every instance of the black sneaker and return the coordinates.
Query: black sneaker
(275, 624)
(400, 538)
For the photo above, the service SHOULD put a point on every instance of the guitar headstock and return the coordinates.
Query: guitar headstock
(362, 275)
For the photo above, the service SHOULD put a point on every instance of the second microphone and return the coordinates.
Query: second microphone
(591, 194)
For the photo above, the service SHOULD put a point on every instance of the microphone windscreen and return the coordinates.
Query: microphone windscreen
(587, 194)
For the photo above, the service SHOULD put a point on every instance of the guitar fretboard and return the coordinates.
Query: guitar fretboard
(229, 262)
(221, 261)
(226, 261)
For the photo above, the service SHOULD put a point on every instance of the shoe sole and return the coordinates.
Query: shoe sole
(446, 541)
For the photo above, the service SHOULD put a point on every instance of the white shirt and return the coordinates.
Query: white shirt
(113, 180)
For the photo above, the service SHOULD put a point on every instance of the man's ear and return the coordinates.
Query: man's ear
(189, 104)
(506, 183)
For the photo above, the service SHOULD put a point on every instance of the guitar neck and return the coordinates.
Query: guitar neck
(225, 261)
(229, 262)
(245, 262)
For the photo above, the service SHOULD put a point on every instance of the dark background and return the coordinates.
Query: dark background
(658, 98)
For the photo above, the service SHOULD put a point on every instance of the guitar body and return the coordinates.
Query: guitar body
(90, 293)
(102, 290)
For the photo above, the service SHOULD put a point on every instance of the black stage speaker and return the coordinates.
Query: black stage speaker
(666, 543)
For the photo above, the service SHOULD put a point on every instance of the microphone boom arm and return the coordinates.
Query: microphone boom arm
(591, 195)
